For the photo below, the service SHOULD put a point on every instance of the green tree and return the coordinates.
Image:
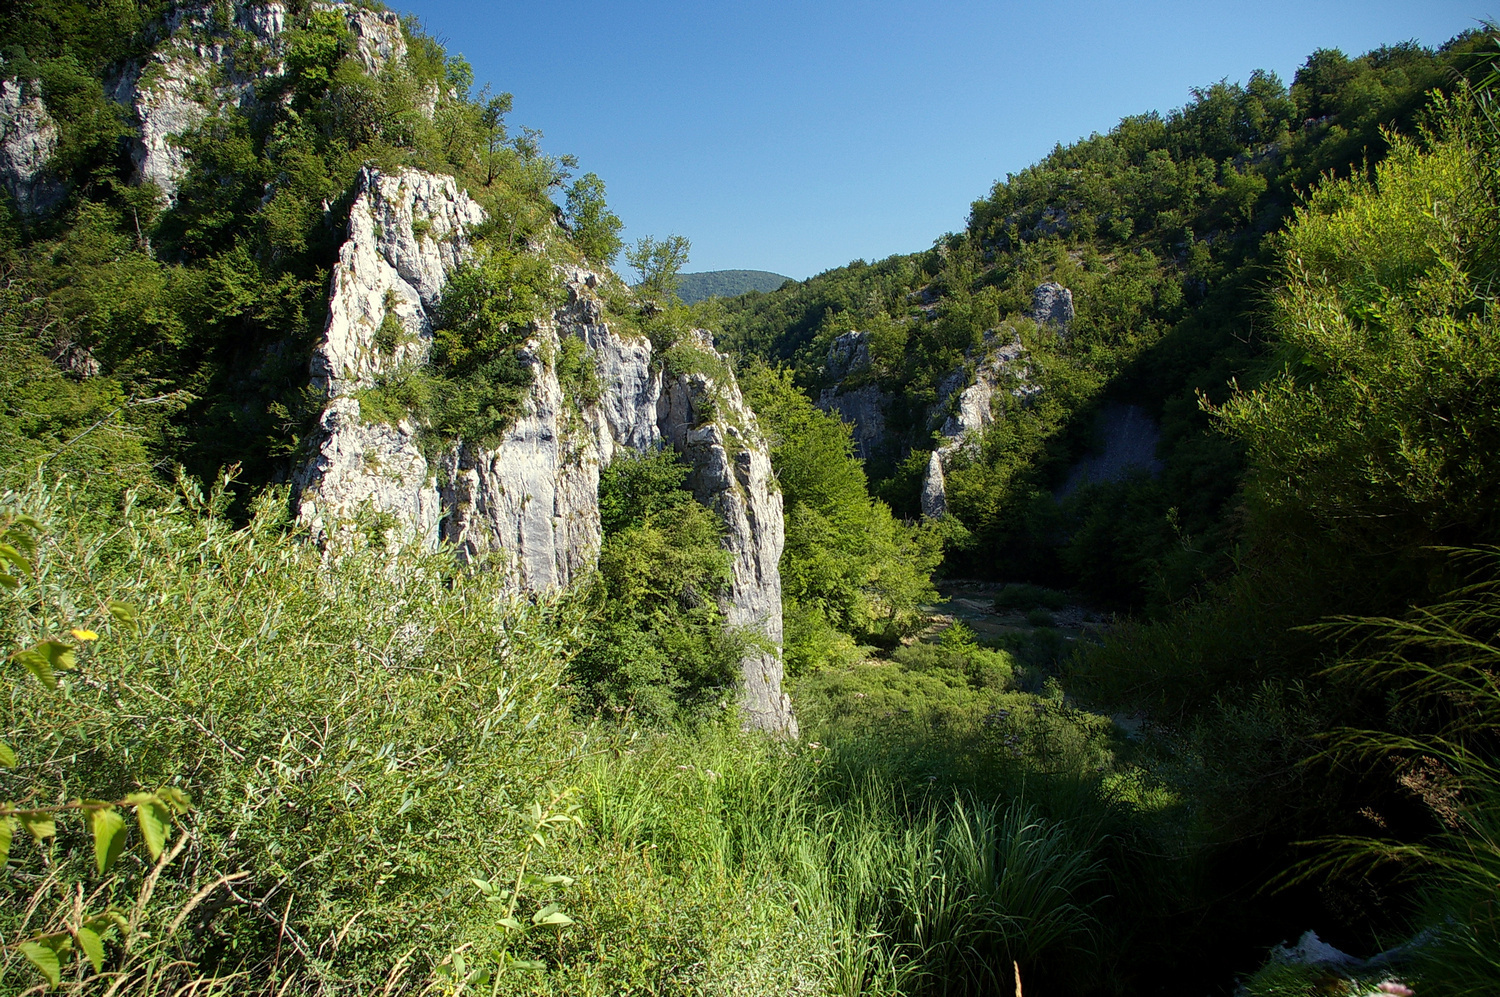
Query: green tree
(596, 229)
(849, 566)
(1376, 437)
(658, 645)
(493, 122)
(658, 264)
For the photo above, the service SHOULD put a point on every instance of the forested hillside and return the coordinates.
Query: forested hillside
(396, 601)
(695, 287)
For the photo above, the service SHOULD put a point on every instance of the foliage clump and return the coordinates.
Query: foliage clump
(660, 648)
(478, 372)
(851, 572)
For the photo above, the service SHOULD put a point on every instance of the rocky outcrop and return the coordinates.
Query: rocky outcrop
(528, 506)
(387, 271)
(965, 397)
(1052, 304)
(204, 66)
(968, 398)
(853, 396)
(28, 136)
(731, 474)
(934, 488)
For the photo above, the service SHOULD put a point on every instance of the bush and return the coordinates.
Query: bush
(359, 735)
(1027, 596)
(658, 645)
(1039, 618)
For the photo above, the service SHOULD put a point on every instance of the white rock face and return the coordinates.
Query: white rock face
(529, 505)
(934, 488)
(861, 405)
(384, 269)
(1052, 304)
(732, 475)
(969, 399)
(28, 137)
(175, 90)
(973, 410)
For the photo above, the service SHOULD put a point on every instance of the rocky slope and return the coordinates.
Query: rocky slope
(196, 73)
(530, 504)
(200, 67)
(965, 403)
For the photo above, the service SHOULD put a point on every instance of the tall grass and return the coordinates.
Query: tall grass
(371, 735)
(360, 736)
(1440, 666)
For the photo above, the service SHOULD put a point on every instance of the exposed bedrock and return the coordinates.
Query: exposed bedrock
(529, 505)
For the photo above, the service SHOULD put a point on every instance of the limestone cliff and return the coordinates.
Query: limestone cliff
(203, 64)
(529, 505)
(203, 67)
(28, 137)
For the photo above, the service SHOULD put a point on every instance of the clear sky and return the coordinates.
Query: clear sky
(797, 136)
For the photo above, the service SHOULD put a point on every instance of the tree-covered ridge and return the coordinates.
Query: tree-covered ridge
(1160, 229)
(695, 287)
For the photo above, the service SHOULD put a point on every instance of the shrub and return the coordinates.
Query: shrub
(1039, 618)
(1026, 596)
(359, 735)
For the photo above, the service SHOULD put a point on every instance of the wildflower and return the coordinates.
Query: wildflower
(84, 635)
(1395, 987)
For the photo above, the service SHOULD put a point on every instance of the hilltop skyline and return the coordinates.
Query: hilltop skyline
(793, 140)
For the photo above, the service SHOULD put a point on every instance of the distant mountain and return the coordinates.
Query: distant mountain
(694, 287)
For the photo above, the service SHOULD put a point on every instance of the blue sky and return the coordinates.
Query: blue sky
(795, 137)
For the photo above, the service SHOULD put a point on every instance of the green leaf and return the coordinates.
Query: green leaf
(16, 558)
(9, 581)
(125, 613)
(44, 959)
(47, 658)
(174, 799)
(7, 756)
(154, 820)
(550, 914)
(7, 832)
(93, 947)
(109, 836)
(39, 665)
(41, 826)
(511, 923)
(21, 532)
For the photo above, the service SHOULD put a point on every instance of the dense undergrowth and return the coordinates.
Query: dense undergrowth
(369, 737)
